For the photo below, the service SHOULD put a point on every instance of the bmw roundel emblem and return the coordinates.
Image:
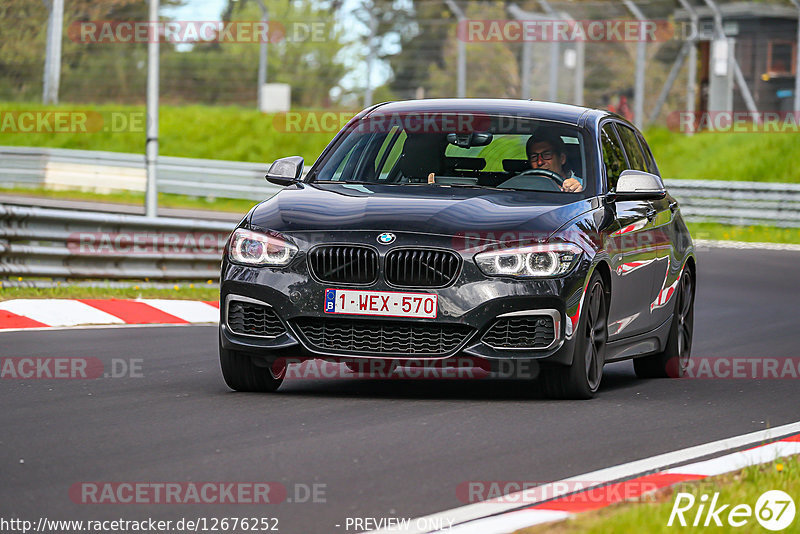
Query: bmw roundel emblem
(386, 238)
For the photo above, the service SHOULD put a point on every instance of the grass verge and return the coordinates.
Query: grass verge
(183, 292)
(652, 515)
(753, 234)
(210, 132)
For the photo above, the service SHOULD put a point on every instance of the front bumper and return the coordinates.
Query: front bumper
(472, 300)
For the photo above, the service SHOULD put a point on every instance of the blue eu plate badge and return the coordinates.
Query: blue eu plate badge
(330, 300)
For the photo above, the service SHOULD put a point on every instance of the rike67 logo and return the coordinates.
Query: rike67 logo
(774, 510)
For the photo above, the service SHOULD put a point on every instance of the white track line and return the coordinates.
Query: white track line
(484, 509)
(739, 460)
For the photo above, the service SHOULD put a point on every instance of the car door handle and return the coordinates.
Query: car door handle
(673, 206)
(650, 214)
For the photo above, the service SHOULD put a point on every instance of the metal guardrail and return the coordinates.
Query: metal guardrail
(740, 203)
(107, 171)
(728, 202)
(68, 244)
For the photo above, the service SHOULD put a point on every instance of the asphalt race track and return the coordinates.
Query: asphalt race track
(379, 447)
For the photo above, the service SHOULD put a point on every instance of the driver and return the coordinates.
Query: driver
(549, 152)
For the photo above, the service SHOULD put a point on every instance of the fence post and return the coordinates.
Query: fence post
(262, 53)
(373, 29)
(461, 89)
(151, 146)
(641, 50)
(797, 60)
(737, 71)
(555, 51)
(52, 62)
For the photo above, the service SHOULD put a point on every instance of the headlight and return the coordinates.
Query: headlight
(253, 248)
(533, 261)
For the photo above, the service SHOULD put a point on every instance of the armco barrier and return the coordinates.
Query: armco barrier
(72, 244)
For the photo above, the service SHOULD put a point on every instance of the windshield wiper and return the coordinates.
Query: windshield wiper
(471, 186)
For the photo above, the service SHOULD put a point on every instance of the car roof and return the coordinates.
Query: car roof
(577, 115)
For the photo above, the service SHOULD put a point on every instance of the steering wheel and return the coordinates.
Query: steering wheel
(544, 173)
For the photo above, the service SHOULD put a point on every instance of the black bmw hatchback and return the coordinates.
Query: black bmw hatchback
(499, 231)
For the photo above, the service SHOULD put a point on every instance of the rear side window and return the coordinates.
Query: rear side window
(613, 157)
(632, 148)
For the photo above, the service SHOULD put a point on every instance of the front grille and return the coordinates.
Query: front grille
(344, 264)
(421, 267)
(253, 319)
(382, 337)
(535, 332)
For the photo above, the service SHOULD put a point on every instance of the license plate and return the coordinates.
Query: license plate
(383, 303)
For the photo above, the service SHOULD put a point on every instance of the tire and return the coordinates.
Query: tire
(241, 374)
(674, 360)
(582, 378)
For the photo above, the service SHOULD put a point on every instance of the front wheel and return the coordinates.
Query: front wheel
(582, 378)
(241, 374)
(674, 360)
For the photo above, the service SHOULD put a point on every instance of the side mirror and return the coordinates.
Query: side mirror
(637, 185)
(285, 171)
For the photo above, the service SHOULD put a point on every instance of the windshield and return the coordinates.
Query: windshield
(485, 151)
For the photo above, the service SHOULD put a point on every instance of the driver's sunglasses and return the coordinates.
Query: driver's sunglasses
(547, 155)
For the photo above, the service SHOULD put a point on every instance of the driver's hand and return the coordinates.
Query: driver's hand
(571, 185)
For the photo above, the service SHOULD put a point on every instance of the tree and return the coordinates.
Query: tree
(305, 53)
(89, 71)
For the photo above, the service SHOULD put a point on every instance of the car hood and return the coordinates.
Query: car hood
(424, 209)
